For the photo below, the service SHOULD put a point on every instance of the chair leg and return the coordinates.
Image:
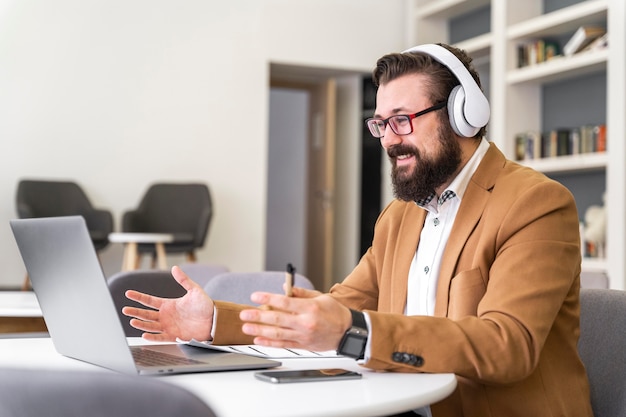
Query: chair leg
(191, 256)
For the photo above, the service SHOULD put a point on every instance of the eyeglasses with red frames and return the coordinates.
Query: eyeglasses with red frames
(400, 123)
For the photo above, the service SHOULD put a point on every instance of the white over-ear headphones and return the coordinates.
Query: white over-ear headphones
(468, 108)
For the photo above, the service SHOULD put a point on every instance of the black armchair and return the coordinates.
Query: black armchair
(38, 198)
(63, 198)
(182, 210)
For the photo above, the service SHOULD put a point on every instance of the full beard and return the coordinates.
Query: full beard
(427, 174)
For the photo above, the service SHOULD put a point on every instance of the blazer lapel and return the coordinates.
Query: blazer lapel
(408, 239)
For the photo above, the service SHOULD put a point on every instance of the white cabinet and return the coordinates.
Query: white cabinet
(516, 94)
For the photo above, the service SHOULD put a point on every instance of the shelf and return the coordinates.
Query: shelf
(517, 94)
(569, 163)
(561, 68)
(446, 9)
(478, 47)
(561, 21)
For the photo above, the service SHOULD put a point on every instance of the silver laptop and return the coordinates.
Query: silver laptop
(79, 312)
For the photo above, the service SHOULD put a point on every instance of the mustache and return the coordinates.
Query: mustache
(402, 149)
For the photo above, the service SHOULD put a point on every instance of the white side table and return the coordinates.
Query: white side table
(131, 240)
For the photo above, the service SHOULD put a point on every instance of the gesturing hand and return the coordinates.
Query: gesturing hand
(188, 317)
(308, 320)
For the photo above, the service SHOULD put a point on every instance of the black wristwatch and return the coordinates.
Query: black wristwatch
(354, 340)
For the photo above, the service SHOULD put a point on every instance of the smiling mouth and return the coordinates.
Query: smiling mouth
(402, 154)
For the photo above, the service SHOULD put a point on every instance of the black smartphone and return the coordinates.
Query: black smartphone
(280, 377)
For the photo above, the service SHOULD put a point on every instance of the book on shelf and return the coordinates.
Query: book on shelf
(600, 43)
(536, 52)
(583, 36)
(528, 146)
(599, 134)
(560, 142)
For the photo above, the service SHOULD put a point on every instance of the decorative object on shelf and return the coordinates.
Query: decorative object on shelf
(582, 38)
(600, 43)
(595, 230)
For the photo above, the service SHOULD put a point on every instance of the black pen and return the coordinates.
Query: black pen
(290, 279)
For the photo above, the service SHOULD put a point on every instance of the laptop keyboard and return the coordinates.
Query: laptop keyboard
(147, 357)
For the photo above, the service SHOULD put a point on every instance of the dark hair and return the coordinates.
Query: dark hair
(440, 80)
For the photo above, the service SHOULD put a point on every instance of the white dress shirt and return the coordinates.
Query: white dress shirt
(442, 210)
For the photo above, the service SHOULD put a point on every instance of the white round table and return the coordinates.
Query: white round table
(131, 240)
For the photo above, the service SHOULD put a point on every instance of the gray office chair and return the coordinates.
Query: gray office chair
(591, 279)
(183, 210)
(39, 198)
(602, 347)
(54, 393)
(156, 282)
(201, 273)
(237, 286)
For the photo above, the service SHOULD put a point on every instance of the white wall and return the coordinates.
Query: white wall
(116, 94)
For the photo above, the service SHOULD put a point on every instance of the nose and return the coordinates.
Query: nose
(390, 138)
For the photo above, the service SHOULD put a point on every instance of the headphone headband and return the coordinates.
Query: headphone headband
(475, 108)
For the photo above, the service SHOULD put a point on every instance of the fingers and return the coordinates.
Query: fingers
(146, 326)
(183, 279)
(140, 313)
(158, 337)
(147, 322)
(155, 302)
(273, 324)
(271, 335)
(305, 293)
(145, 299)
(272, 301)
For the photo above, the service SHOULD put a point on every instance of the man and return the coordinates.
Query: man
(473, 269)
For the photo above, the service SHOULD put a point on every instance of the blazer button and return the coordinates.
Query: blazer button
(417, 361)
(409, 359)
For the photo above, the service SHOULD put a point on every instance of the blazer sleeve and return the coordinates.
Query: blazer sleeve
(228, 325)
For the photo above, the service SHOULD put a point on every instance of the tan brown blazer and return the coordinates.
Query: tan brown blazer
(507, 306)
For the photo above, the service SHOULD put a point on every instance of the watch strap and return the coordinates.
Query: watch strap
(358, 319)
(354, 340)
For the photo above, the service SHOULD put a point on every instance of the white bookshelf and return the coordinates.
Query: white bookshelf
(515, 93)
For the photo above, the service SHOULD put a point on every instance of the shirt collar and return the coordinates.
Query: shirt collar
(459, 184)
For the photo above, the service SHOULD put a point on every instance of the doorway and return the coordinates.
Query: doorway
(301, 175)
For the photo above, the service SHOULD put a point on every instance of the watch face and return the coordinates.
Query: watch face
(353, 345)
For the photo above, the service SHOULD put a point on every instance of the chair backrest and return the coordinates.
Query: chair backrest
(594, 279)
(56, 393)
(39, 198)
(602, 347)
(237, 286)
(173, 208)
(201, 273)
(50, 199)
(155, 282)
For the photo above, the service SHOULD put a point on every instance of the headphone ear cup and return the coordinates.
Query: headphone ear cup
(456, 101)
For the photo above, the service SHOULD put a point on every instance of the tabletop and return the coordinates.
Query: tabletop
(239, 393)
(124, 237)
(19, 304)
